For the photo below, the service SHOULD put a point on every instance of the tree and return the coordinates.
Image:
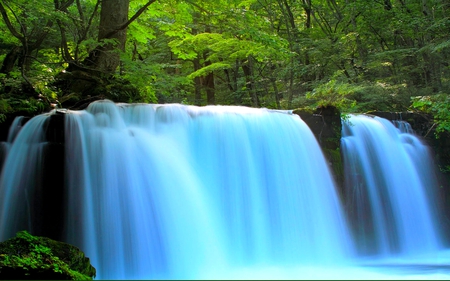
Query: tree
(30, 30)
(270, 53)
(91, 62)
(112, 34)
(100, 66)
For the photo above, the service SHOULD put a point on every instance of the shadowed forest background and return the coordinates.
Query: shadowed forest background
(358, 55)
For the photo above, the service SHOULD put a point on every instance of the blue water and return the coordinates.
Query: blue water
(390, 183)
(220, 192)
(172, 190)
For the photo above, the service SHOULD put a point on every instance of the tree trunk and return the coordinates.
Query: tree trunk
(10, 59)
(113, 16)
(248, 72)
(210, 86)
(197, 83)
(276, 92)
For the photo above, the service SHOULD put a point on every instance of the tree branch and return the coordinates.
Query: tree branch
(9, 24)
(64, 46)
(133, 18)
(91, 18)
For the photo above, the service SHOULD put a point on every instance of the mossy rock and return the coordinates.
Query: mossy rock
(27, 257)
(325, 123)
(303, 110)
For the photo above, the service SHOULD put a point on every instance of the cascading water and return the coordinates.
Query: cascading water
(173, 191)
(403, 126)
(390, 184)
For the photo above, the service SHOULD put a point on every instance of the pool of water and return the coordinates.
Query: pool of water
(434, 266)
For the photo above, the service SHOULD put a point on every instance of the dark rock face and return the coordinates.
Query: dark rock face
(50, 196)
(325, 123)
(54, 131)
(27, 257)
(420, 122)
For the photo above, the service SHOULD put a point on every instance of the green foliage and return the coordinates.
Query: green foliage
(159, 84)
(140, 33)
(209, 68)
(441, 46)
(41, 257)
(226, 47)
(24, 105)
(380, 97)
(351, 55)
(439, 106)
(190, 47)
(335, 93)
(334, 156)
(4, 109)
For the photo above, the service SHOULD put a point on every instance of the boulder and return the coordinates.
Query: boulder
(27, 257)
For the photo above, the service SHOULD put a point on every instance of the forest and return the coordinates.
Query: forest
(357, 55)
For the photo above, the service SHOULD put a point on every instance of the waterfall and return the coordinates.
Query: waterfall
(172, 191)
(185, 192)
(390, 183)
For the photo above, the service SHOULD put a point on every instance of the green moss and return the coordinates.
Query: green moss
(29, 257)
(334, 155)
(303, 110)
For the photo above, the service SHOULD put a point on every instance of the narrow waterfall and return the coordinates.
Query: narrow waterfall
(390, 186)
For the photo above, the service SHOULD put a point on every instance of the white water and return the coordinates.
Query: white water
(183, 192)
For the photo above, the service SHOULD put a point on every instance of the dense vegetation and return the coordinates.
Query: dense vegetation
(359, 55)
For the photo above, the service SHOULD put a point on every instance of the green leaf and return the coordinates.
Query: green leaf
(208, 69)
(441, 46)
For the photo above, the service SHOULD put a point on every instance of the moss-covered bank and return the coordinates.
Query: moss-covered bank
(27, 257)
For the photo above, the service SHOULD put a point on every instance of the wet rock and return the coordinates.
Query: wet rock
(325, 123)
